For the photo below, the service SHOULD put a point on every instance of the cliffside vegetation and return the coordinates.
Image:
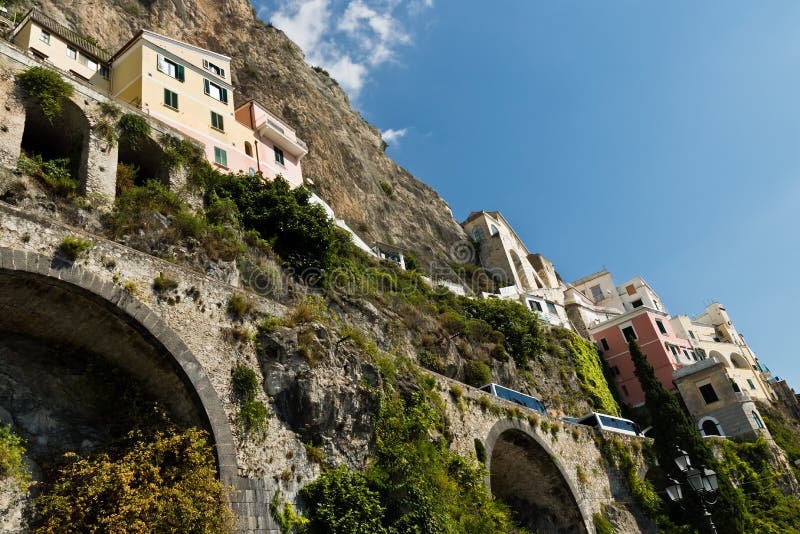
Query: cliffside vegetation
(11, 454)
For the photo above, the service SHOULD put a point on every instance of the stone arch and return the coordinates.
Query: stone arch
(66, 136)
(526, 474)
(738, 361)
(710, 426)
(520, 270)
(717, 355)
(147, 156)
(106, 320)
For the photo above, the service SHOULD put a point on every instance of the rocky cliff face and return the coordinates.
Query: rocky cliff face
(345, 160)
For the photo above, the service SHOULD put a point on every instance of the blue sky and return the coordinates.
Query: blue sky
(652, 138)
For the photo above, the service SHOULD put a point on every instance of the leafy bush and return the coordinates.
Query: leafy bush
(48, 88)
(431, 361)
(126, 177)
(342, 501)
(11, 451)
(520, 328)
(590, 374)
(252, 413)
(602, 525)
(136, 129)
(105, 130)
(302, 233)
(55, 174)
(480, 451)
(72, 247)
(477, 373)
(110, 109)
(166, 482)
(253, 416)
(386, 188)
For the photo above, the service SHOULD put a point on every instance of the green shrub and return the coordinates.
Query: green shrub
(480, 451)
(106, 131)
(244, 382)
(163, 283)
(110, 109)
(477, 373)
(166, 482)
(48, 88)
(431, 361)
(11, 451)
(253, 416)
(136, 130)
(72, 247)
(386, 188)
(314, 454)
(55, 174)
(240, 306)
(341, 500)
(126, 177)
(520, 328)
(590, 374)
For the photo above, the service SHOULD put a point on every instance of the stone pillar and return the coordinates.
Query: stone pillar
(99, 166)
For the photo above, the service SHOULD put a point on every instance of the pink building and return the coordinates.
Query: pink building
(652, 331)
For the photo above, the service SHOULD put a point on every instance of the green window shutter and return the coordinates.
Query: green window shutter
(223, 94)
(179, 73)
(206, 87)
(167, 99)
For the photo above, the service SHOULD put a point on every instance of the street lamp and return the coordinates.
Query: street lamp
(703, 482)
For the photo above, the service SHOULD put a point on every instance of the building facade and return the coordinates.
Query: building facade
(651, 330)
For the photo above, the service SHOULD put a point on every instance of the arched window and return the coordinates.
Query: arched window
(757, 419)
(710, 428)
(493, 229)
(248, 148)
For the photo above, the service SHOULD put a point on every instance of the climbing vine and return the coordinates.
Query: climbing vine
(590, 374)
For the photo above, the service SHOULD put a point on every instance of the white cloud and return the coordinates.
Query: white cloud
(348, 38)
(393, 136)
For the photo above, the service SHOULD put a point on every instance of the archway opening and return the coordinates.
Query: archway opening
(140, 161)
(59, 146)
(56, 340)
(711, 428)
(525, 477)
(715, 354)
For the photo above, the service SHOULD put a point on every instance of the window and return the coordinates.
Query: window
(735, 386)
(629, 334)
(597, 293)
(217, 122)
(701, 353)
(551, 308)
(170, 99)
(625, 391)
(615, 370)
(757, 419)
(493, 230)
(535, 306)
(215, 91)
(637, 303)
(104, 72)
(686, 355)
(691, 334)
(170, 68)
(630, 289)
(661, 327)
(220, 156)
(674, 350)
(72, 53)
(708, 393)
(710, 428)
(210, 67)
(694, 356)
(45, 37)
(248, 148)
(279, 158)
(750, 383)
(604, 342)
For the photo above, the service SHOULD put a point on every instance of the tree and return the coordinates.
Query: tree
(673, 429)
(520, 327)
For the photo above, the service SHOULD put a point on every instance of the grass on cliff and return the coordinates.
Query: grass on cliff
(12, 450)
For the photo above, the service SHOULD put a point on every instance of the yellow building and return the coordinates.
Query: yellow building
(184, 86)
(64, 49)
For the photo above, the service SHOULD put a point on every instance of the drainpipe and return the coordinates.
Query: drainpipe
(253, 127)
(258, 163)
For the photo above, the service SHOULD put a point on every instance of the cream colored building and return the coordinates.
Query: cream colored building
(62, 48)
(713, 335)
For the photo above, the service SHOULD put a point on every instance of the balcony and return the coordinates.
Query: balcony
(272, 128)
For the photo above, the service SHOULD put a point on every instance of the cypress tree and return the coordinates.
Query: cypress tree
(672, 429)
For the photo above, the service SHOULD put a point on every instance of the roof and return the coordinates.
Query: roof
(590, 277)
(65, 33)
(154, 35)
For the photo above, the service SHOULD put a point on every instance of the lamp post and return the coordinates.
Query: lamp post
(702, 481)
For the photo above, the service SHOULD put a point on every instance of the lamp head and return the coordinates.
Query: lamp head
(682, 460)
(674, 491)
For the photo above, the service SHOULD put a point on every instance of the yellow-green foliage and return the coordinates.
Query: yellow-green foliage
(73, 247)
(11, 451)
(769, 511)
(602, 525)
(590, 375)
(617, 453)
(166, 482)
